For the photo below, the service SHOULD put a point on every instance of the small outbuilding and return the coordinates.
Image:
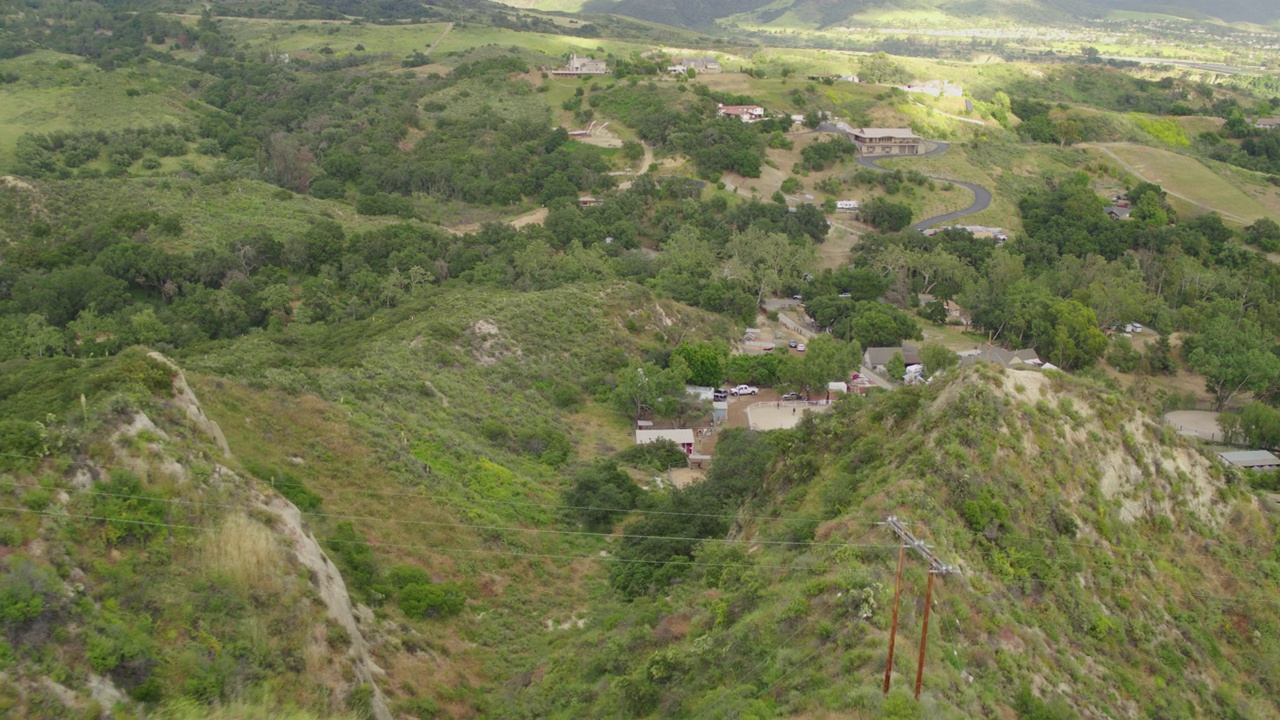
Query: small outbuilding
(682, 437)
(719, 411)
(1260, 460)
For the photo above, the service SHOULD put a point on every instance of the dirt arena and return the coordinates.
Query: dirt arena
(779, 415)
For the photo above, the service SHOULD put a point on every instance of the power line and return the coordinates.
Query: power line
(402, 546)
(485, 501)
(431, 523)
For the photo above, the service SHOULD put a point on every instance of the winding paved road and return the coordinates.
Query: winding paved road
(981, 196)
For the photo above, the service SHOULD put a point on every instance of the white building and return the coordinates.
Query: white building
(682, 437)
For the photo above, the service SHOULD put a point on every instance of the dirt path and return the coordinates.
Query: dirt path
(432, 46)
(1107, 150)
(532, 217)
(535, 217)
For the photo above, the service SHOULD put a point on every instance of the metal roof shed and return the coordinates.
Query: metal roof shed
(1252, 459)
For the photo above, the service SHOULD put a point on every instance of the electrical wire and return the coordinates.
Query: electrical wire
(514, 503)
(472, 526)
(402, 546)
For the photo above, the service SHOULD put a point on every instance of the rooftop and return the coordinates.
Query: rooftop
(677, 436)
(1251, 458)
(902, 133)
(882, 355)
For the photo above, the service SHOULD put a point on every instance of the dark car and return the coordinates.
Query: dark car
(793, 343)
(791, 396)
(719, 394)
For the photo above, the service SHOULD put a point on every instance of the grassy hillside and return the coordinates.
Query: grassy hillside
(62, 92)
(1105, 568)
(1187, 179)
(429, 442)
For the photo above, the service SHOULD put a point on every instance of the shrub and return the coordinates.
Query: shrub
(1123, 356)
(885, 215)
(654, 456)
(353, 554)
(602, 492)
(19, 438)
(431, 600)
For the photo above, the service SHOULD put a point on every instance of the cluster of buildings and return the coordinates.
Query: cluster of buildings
(700, 66)
(878, 358)
(582, 66)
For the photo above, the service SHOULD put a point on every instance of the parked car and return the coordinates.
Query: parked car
(793, 343)
(854, 376)
(791, 396)
(800, 347)
(719, 394)
(744, 390)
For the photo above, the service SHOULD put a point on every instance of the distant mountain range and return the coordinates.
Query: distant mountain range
(824, 13)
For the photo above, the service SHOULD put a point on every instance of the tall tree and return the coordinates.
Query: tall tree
(937, 357)
(766, 261)
(1068, 335)
(706, 361)
(1235, 355)
(825, 360)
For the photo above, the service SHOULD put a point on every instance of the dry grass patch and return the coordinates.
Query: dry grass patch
(246, 552)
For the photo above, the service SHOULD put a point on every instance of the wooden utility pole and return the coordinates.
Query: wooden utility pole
(893, 626)
(936, 567)
(924, 634)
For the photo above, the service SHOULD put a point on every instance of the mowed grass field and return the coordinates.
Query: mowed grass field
(1187, 178)
(60, 92)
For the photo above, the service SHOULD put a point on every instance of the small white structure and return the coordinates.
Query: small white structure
(719, 411)
(700, 392)
(837, 387)
(682, 437)
(847, 205)
(1259, 460)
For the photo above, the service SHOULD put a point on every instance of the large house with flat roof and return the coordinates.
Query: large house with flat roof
(886, 141)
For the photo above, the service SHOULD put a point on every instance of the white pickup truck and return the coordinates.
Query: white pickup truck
(744, 390)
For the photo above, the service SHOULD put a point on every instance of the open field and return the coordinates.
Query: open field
(210, 213)
(291, 36)
(1186, 178)
(61, 92)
